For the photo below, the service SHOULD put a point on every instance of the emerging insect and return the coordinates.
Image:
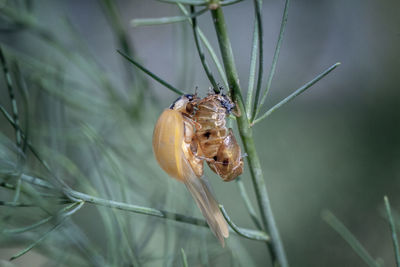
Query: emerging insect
(218, 144)
(178, 152)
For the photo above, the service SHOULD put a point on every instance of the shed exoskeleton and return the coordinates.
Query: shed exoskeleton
(218, 144)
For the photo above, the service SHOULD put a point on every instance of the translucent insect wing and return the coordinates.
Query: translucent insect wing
(209, 207)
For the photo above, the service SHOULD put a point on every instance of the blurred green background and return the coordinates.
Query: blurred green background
(91, 115)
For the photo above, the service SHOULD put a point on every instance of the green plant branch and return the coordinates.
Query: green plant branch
(15, 117)
(200, 51)
(39, 223)
(36, 242)
(393, 229)
(111, 11)
(342, 230)
(15, 204)
(79, 197)
(21, 85)
(201, 2)
(187, 2)
(252, 72)
(166, 20)
(151, 74)
(275, 58)
(11, 94)
(184, 258)
(247, 202)
(250, 234)
(296, 93)
(31, 147)
(230, 2)
(257, 11)
(209, 48)
(275, 246)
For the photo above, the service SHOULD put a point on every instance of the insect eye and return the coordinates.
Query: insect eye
(189, 97)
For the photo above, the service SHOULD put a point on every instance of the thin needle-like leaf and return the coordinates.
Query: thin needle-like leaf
(275, 58)
(250, 234)
(151, 74)
(15, 204)
(247, 202)
(187, 2)
(342, 230)
(184, 258)
(31, 246)
(200, 51)
(37, 224)
(209, 49)
(393, 229)
(27, 228)
(296, 93)
(15, 116)
(85, 198)
(257, 10)
(229, 2)
(11, 94)
(252, 73)
(33, 149)
(165, 20)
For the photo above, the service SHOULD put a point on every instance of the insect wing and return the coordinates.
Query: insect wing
(201, 193)
(168, 146)
(167, 143)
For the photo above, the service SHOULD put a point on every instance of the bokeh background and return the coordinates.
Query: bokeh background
(336, 147)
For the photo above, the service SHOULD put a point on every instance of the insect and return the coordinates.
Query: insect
(178, 152)
(218, 144)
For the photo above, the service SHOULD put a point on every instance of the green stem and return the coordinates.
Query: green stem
(151, 74)
(393, 229)
(184, 258)
(296, 93)
(208, 46)
(257, 10)
(165, 20)
(79, 197)
(342, 230)
(275, 246)
(252, 73)
(11, 93)
(200, 51)
(275, 59)
(247, 202)
(250, 234)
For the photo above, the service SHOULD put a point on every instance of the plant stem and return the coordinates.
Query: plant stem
(151, 74)
(208, 46)
(296, 93)
(345, 233)
(247, 202)
(275, 59)
(276, 248)
(184, 258)
(252, 73)
(393, 229)
(200, 51)
(82, 197)
(257, 11)
(250, 234)
(165, 20)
